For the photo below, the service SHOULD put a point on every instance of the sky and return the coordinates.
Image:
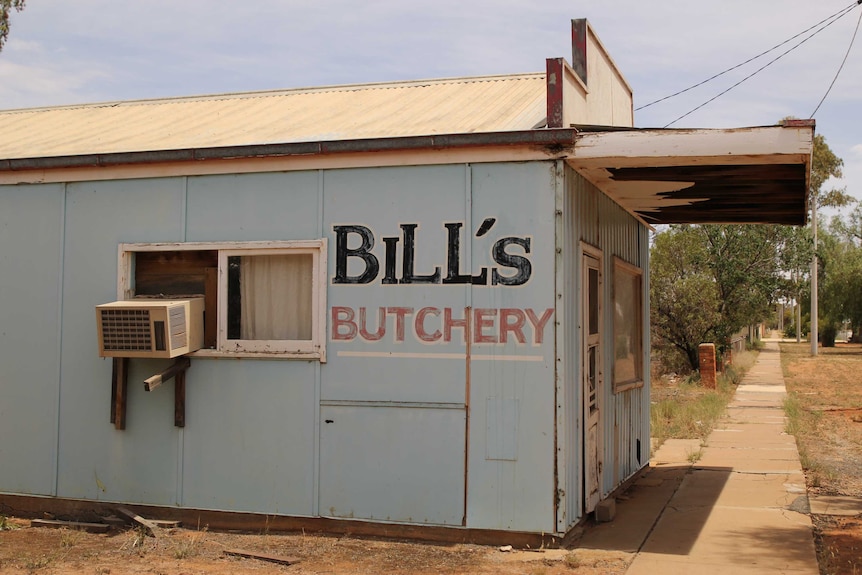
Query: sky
(67, 52)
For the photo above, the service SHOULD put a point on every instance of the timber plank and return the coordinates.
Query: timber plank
(262, 556)
(79, 525)
(180, 399)
(150, 527)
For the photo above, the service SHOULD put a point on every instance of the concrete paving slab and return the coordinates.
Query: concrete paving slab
(721, 488)
(763, 387)
(637, 511)
(751, 460)
(742, 507)
(652, 564)
(835, 505)
(675, 451)
(767, 538)
(740, 457)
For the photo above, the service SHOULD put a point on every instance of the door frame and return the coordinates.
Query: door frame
(591, 258)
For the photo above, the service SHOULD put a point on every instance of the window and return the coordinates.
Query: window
(628, 326)
(262, 299)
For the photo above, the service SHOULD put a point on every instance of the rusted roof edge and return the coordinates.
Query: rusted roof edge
(552, 138)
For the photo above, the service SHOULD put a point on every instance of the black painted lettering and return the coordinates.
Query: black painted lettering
(407, 274)
(522, 266)
(389, 263)
(453, 260)
(363, 252)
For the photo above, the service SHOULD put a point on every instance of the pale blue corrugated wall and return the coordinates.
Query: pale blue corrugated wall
(253, 438)
(593, 218)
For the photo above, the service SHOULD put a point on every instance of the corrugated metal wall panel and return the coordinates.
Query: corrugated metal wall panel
(593, 218)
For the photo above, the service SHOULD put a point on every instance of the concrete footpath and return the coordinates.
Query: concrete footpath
(736, 504)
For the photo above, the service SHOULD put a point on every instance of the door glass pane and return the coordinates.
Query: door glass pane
(594, 300)
(593, 376)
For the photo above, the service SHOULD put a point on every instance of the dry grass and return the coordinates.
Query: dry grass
(683, 409)
(824, 412)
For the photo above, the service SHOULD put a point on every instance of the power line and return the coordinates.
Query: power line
(795, 46)
(837, 15)
(841, 67)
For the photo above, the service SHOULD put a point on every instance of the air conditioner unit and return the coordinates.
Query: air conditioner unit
(150, 327)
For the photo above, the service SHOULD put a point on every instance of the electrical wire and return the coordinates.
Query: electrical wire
(841, 67)
(837, 15)
(792, 48)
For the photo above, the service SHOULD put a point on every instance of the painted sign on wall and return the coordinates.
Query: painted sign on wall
(360, 261)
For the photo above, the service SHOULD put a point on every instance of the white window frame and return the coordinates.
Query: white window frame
(631, 271)
(269, 349)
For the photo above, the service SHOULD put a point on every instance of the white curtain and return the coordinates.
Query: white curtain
(276, 297)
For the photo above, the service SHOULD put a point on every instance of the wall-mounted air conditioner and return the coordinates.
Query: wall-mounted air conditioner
(150, 327)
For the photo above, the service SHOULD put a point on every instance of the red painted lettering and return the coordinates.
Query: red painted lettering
(343, 317)
(399, 312)
(483, 318)
(381, 325)
(516, 327)
(419, 324)
(449, 322)
(539, 323)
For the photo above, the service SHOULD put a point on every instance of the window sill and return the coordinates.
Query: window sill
(274, 355)
(628, 386)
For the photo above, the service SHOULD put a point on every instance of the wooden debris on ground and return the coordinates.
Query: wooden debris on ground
(261, 556)
(150, 527)
(114, 521)
(79, 525)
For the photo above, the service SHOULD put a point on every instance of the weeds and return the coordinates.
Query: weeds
(70, 537)
(572, 561)
(694, 456)
(690, 411)
(189, 546)
(136, 541)
(36, 562)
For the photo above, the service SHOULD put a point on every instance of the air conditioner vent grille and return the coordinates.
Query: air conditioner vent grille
(177, 319)
(126, 330)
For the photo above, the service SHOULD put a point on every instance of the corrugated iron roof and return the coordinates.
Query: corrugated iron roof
(422, 107)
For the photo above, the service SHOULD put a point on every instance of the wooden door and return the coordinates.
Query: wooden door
(592, 378)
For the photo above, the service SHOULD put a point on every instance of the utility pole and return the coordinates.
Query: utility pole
(814, 280)
(798, 308)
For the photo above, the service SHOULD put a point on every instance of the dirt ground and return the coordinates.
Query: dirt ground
(27, 550)
(829, 390)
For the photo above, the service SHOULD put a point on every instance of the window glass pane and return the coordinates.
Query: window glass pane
(594, 300)
(628, 360)
(270, 297)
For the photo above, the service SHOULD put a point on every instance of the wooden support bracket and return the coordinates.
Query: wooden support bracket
(178, 372)
(180, 366)
(119, 388)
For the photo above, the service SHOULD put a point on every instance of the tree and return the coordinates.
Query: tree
(707, 282)
(841, 274)
(5, 7)
(825, 165)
